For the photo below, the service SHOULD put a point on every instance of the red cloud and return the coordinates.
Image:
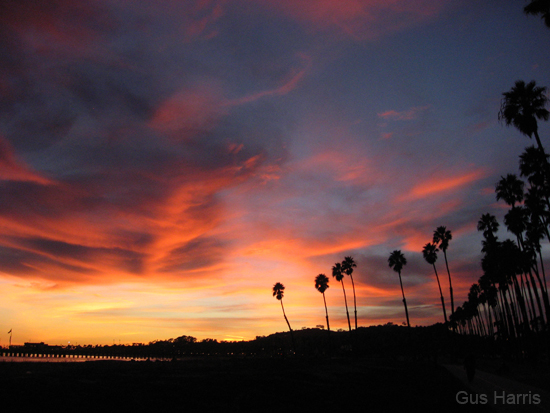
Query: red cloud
(13, 170)
(57, 22)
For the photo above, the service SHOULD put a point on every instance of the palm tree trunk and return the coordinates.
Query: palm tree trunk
(326, 311)
(328, 325)
(488, 321)
(544, 294)
(513, 306)
(450, 283)
(440, 294)
(543, 272)
(541, 149)
(520, 299)
(535, 292)
(346, 302)
(404, 300)
(290, 328)
(480, 321)
(528, 296)
(539, 144)
(354, 300)
(509, 317)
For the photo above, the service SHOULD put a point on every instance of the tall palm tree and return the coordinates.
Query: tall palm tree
(347, 267)
(541, 7)
(430, 255)
(397, 261)
(531, 166)
(278, 293)
(488, 224)
(441, 239)
(537, 199)
(339, 275)
(321, 285)
(517, 220)
(522, 106)
(510, 189)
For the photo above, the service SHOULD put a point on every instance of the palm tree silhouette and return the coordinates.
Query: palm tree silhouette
(339, 275)
(510, 189)
(488, 224)
(321, 285)
(430, 255)
(441, 238)
(541, 7)
(347, 267)
(278, 293)
(522, 106)
(397, 261)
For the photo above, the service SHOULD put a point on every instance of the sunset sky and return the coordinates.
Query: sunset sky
(163, 164)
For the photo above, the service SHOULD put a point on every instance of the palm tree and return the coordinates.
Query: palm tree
(396, 261)
(347, 267)
(441, 238)
(430, 255)
(510, 189)
(489, 225)
(321, 285)
(541, 7)
(522, 106)
(531, 163)
(338, 273)
(278, 292)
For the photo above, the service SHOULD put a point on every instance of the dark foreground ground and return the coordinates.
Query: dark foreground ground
(231, 385)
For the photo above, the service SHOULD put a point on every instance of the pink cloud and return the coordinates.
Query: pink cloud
(359, 19)
(288, 85)
(189, 111)
(410, 114)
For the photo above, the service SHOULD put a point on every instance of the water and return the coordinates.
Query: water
(23, 357)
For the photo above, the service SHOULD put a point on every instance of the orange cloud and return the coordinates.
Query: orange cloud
(437, 185)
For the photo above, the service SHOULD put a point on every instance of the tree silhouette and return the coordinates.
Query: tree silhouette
(321, 285)
(347, 268)
(396, 261)
(488, 224)
(531, 166)
(339, 275)
(522, 106)
(510, 189)
(278, 293)
(441, 238)
(541, 7)
(430, 255)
